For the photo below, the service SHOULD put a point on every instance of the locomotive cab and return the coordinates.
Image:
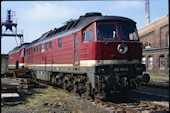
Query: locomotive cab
(119, 41)
(118, 54)
(21, 57)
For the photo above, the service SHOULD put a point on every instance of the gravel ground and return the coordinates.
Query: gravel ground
(155, 91)
(50, 100)
(151, 94)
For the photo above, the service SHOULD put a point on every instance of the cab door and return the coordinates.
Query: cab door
(76, 51)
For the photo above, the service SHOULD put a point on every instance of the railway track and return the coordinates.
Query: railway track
(122, 104)
(152, 94)
(162, 85)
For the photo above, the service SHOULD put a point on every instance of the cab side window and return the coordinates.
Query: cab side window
(76, 39)
(46, 46)
(24, 52)
(50, 45)
(21, 53)
(59, 43)
(88, 36)
(39, 48)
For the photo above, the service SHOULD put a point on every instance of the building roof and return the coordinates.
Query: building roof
(166, 16)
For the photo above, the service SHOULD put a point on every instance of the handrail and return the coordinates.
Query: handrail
(4, 20)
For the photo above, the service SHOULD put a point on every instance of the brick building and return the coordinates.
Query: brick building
(155, 38)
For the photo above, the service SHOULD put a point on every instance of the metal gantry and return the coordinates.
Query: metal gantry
(9, 23)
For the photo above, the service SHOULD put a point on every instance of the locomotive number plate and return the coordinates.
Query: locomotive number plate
(121, 69)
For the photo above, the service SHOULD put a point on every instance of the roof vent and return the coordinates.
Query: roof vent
(93, 14)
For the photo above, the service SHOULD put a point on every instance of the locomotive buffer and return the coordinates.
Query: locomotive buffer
(9, 23)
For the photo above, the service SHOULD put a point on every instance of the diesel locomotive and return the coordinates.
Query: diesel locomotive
(94, 54)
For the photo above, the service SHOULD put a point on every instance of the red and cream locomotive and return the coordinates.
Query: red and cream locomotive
(17, 57)
(94, 54)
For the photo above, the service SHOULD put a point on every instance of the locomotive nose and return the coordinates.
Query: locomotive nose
(144, 78)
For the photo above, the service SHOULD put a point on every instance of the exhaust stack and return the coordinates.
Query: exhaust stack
(147, 13)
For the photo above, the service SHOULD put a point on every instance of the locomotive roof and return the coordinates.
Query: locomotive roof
(72, 26)
(18, 48)
(39, 39)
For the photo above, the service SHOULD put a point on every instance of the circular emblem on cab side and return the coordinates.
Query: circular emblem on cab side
(122, 48)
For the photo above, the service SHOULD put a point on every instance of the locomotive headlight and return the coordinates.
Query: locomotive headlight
(122, 48)
(139, 69)
(100, 70)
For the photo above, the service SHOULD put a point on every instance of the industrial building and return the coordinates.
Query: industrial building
(155, 38)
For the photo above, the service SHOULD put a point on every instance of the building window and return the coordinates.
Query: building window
(50, 45)
(39, 48)
(59, 43)
(146, 39)
(167, 37)
(150, 62)
(46, 46)
(76, 39)
(34, 50)
(143, 60)
(162, 62)
(168, 61)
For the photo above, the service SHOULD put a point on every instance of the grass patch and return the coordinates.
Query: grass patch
(45, 95)
(159, 77)
(159, 74)
(38, 99)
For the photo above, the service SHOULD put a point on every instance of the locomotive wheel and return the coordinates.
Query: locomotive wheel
(66, 81)
(33, 74)
(89, 90)
(53, 80)
(75, 88)
(65, 85)
(60, 78)
(70, 85)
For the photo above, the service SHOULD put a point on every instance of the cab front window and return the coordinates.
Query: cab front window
(129, 32)
(107, 31)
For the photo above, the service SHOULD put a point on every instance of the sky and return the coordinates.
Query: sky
(38, 17)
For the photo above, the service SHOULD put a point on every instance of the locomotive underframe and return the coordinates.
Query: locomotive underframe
(99, 80)
(117, 78)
